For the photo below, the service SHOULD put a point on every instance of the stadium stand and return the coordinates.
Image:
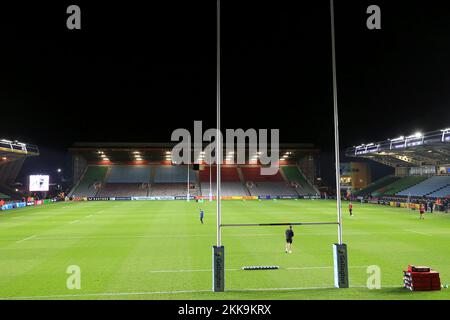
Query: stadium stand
(129, 174)
(231, 182)
(12, 157)
(4, 196)
(253, 174)
(90, 182)
(134, 167)
(271, 188)
(10, 192)
(399, 185)
(262, 185)
(172, 181)
(126, 181)
(173, 174)
(228, 173)
(123, 190)
(426, 187)
(377, 186)
(418, 158)
(442, 193)
(171, 189)
(293, 175)
(227, 189)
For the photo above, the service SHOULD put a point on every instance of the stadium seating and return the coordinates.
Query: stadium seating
(129, 181)
(123, 190)
(377, 186)
(428, 186)
(272, 189)
(226, 174)
(129, 174)
(254, 174)
(3, 196)
(293, 175)
(93, 176)
(442, 193)
(400, 185)
(263, 185)
(170, 189)
(227, 189)
(173, 174)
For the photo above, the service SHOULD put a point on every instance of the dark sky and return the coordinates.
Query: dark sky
(135, 72)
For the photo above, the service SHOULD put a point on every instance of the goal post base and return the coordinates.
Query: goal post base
(340, 265)
(218, 269)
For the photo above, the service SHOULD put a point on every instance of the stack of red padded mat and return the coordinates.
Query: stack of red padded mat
(419, 278)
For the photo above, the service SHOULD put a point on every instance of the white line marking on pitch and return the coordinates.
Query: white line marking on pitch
(109, 294)
(104, 294)
(280, 289)
(303, 288)
(28, 238)
(421, 233)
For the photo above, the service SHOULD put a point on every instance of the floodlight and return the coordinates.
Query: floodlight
(401, 138)
(415, 135)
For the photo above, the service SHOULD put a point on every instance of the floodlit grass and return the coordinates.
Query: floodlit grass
(159, 250)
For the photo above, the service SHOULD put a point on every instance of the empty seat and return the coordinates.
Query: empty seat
(129, 174)
(442, 193)
(123, 190)
(254, 174)
(426, 187)
(173, 174)
(294, 176)
(170, 189)
(227, 173)
(399, 185)
(227, 189)
(377, 186)
(272, 189)
(90, 182)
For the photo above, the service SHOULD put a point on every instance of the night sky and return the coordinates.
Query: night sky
(135, 72)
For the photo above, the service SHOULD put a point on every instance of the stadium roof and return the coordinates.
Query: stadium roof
(13, 150)
(160, 152)
(432, 148)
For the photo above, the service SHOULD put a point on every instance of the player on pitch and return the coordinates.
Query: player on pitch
(202, 214)
(421, 211)
(289, 235)
(350, 209)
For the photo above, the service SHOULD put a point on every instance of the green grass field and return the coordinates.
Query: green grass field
(159, 250)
